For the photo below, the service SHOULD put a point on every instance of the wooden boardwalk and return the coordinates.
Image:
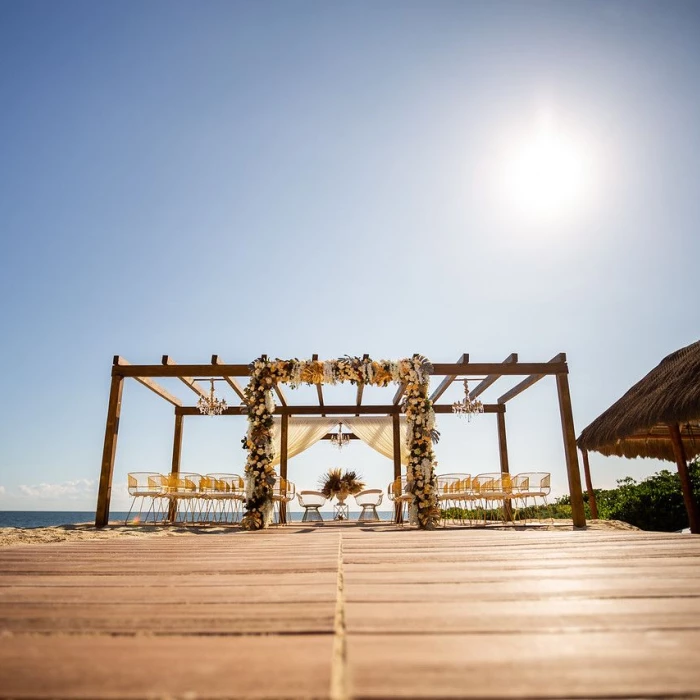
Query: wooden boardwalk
(354, 612)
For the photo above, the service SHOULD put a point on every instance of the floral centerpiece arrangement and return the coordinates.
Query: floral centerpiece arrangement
(335, 484)
(412, 373)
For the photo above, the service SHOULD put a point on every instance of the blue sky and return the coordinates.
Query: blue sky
(293, 178)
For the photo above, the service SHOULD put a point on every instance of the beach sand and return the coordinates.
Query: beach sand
(13, 536)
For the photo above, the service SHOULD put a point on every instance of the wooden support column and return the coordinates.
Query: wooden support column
(175, 466)
(396, 424)
(589, 485)
(104, 494)
(567, 426)
(503, 454)
(284, 444)
(682, 463)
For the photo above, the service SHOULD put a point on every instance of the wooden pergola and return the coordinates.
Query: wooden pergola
(190, 374)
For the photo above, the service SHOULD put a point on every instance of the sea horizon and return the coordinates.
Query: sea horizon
(56, 518)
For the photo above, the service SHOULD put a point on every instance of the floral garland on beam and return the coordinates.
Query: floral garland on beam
(413, 373)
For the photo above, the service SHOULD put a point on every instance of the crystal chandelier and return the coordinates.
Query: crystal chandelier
(340, 439)
(210, 405)
(468, 406)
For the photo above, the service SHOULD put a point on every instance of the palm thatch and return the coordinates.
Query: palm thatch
(637, 424)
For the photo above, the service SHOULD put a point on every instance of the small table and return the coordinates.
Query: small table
(341, 511)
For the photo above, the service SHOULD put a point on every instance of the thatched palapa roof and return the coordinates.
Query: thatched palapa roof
(636, 424)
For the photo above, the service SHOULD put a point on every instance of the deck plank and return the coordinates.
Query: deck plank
(492, 613)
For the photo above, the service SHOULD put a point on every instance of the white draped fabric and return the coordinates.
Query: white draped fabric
(375, 431)
(301, 434)
(378, 433)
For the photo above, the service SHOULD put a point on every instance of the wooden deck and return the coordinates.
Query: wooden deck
(353, 612)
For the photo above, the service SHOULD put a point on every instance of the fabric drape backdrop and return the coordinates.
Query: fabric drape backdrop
(378, 433)
(301, 434)
(375, 431)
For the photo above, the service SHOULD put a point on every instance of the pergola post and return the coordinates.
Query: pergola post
(567, 425)
(503, 455)
(284, 445)
(175, 466)
(681, 461)
(589, 485)
(396, 425)
(109, 451)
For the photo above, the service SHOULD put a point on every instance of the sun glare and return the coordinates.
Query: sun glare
(546, 175)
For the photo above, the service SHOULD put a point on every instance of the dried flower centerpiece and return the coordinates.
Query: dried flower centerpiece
(335, 484)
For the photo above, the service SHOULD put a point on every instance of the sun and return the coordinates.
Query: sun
(546, 175)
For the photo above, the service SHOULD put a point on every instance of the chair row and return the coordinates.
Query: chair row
(483, 495)
(190, 498)
(491, 495)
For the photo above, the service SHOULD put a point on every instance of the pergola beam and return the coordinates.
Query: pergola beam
(216, 360)
(191, 383)
(445, 383)
(486, 382)
(398, 394)
(532, 379)
(319, 390)
(360, 387)
(381, 410)
(150, 384)
(477, 368)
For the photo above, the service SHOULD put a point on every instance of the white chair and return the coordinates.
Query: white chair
(532, 485)
(225, 494)
(369, 500)
(453, 494)
(181, 490)
(282, 493)
(397, 492)
(311, 501)
(144, 485)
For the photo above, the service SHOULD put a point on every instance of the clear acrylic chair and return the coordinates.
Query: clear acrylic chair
(311, 501)
(368, 500)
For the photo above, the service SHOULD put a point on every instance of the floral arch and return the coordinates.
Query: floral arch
(413, 373)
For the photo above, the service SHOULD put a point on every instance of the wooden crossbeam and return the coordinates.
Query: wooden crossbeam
(486, 382)
(216, 360)
(445, 383)
(277, 388)
(280, 394)
(319, 390)
(529, 381)
(191, 383)
(334, 410)
(360, 387)
(476, 368)
(153, 386)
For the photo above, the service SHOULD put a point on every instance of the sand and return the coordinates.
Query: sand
(13, 536)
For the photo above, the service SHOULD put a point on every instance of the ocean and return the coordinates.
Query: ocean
(49, 518)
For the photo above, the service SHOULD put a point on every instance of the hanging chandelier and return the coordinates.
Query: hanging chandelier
(340, 439)
(210, 405)
(468, 406)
